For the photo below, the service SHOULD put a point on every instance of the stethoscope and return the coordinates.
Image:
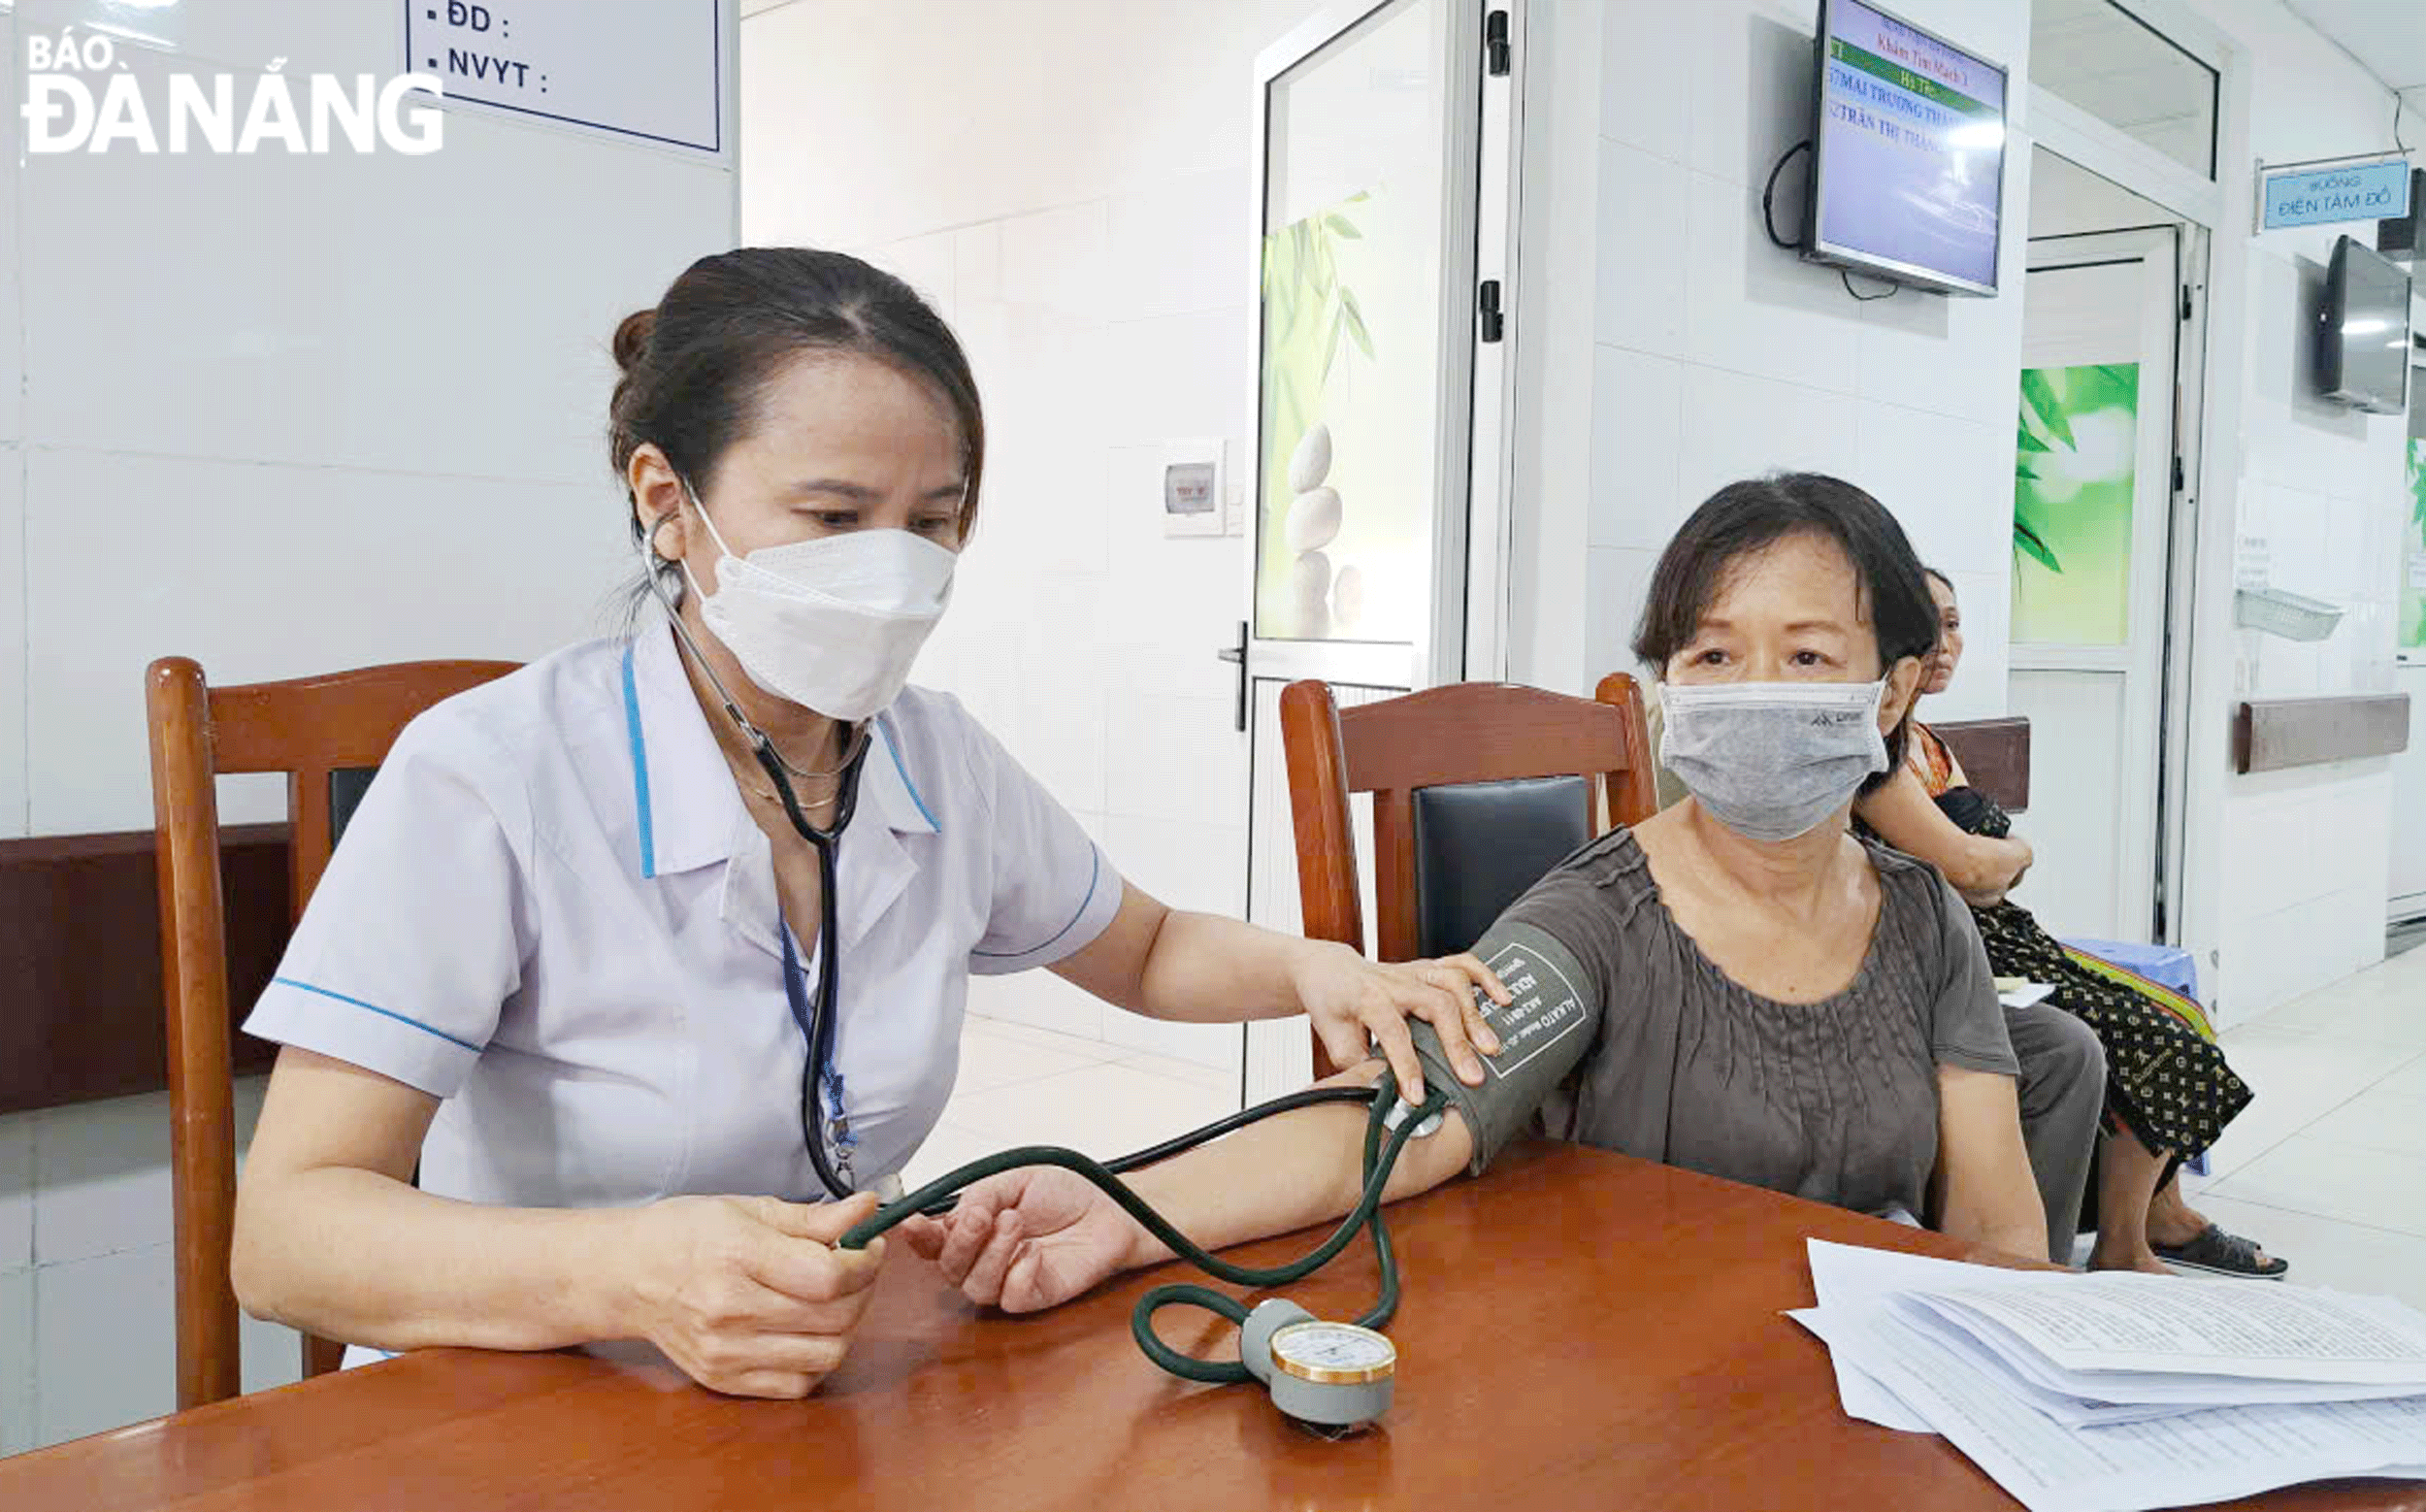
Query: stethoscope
(1333, 1377)
(814, 1016)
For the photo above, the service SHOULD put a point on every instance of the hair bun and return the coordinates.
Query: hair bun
(631, 338)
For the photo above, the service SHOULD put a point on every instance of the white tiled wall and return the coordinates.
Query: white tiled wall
(13, 785)
(2305, 854)
(282, 415)
(12, 331)
(358, 393)
(2306, 857)
(382, 566)
(1719, 356)
(12, 584)
(17, 1193)
(1091, 244)
(87, 1289)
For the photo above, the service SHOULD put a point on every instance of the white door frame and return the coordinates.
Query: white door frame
(2106, 150)
(2200, 540)
(1500, 201)
(1464, 615)
(1439, 656)
(2143, 856)
(2073, 133)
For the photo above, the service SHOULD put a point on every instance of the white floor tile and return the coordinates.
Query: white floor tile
(2298, 1079)
(1103, 1110)
(1218, 1078)
(1092, 1050)
(2326, 1252)
(994, 1060)
(1036, 999)
(1134, 1035)
(946, 1149)
(2378, 1120)
(2409, 1080)
(2382, 1006)
(2309, 1173)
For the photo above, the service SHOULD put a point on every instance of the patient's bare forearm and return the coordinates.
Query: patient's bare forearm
(1288, 1172)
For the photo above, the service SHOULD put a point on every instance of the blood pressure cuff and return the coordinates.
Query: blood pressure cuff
(1543, 1032)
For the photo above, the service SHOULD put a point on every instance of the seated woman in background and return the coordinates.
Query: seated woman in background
(1756, 994)
(2169, 1093)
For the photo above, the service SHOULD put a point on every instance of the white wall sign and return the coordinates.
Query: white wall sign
(2305, 196)
(654, 71)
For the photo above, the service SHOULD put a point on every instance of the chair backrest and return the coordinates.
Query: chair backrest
(1478, 789)
(324, 732)
(1996, 754)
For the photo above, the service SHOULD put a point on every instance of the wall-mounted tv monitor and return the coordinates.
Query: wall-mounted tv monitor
(1908, 180)
(2363, 331)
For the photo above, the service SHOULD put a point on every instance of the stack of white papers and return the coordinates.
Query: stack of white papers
(2116, 1392)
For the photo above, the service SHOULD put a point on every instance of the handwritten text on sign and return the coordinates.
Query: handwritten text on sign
(653, 72)
(2321, 196)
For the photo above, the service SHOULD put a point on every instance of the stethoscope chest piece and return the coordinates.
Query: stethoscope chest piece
(1333, 1377)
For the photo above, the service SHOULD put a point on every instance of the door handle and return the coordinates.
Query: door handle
(1237, 656)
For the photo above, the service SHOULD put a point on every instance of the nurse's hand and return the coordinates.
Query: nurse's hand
(1355, 1002)
(1028, 1240)
(748, 1295)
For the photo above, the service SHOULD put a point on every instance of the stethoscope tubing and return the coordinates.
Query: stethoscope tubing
(937, 1197)
(822, 1009)
(1380, 1159)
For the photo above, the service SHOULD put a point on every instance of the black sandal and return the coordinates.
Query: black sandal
(2222, 1253)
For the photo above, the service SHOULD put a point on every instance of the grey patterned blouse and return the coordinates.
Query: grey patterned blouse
(1835, 1101)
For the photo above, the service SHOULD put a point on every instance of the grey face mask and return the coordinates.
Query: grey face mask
(1771, 760)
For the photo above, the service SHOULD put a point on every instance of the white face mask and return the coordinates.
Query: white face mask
(830, 623)
(1771, 760)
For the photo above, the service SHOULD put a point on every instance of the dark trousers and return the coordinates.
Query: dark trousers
(2063, 1089)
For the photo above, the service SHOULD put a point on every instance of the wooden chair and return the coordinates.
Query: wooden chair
(1444, 737)
(1996, 754)
(324, 732)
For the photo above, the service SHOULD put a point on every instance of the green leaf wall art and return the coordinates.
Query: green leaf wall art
(2413, 553)
(1313, 325)
(2075, 469)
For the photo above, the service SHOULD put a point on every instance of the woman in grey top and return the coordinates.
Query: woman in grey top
(1737, 985)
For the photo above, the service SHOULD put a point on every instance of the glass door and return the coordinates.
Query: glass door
(1370, 128)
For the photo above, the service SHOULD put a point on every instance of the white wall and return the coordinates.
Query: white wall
(2291, 895)
(283, 415)
(1075, 198)
(1714, 355)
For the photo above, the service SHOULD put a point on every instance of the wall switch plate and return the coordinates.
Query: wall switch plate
(1195, 495)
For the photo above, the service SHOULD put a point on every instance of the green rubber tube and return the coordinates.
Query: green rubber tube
(1379, 1160)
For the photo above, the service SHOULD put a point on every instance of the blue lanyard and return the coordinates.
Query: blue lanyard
(838, 1122)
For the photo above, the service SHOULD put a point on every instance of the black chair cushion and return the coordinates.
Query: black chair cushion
(346, 785)
(1479, 845)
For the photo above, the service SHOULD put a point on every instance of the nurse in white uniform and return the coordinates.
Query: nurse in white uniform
(570, 959)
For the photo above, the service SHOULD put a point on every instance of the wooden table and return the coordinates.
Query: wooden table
(1580, 1330)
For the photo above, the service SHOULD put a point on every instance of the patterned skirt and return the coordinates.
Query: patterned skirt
(2166, 1079)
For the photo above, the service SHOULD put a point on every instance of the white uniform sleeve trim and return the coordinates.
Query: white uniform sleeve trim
(1096, 911)
(361, 1033)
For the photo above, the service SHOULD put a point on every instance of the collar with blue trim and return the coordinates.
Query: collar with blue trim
(684, 798)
